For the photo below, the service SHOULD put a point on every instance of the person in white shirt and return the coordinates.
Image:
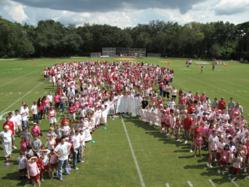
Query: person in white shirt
(34, 112)
(22, 165)
(76, 148)
(50, 97)
(7, 143)
(18, 121)
(62, 150)
(213, 142)
(24, 111)
(82, 146)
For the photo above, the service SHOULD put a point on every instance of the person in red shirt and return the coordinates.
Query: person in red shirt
(187, 123)
(222, 104)
(11, 128)
(196, 97)
(203, 97)
(57, 100)
(191, 108)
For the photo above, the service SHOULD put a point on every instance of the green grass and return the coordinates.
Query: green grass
(109, 162)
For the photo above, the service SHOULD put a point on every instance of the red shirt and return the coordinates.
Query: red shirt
(40, 163)
(221, 105)
(36, 131)
(11, 126)
(191, 108)
(57, 98)
(187, 123)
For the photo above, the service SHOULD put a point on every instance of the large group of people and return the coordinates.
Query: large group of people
(86, 93)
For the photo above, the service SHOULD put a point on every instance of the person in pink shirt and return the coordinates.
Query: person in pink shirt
(33, 171)
(52, 116)
(53, 159)
(36, 130)
(57, 100)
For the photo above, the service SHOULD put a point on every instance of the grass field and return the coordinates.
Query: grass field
(116, 157)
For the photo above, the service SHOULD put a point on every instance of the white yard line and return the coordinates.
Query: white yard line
(20, 98)
(190, 184)
(133, 155)
(167, 185)
(234, 183)
(211, 182)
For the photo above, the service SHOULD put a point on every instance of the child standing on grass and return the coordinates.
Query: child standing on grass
(33, 171)
(198, 142)
(34, 111)
(52, 116)
(224, 158)
(52, 163)
(22, 162)
(237, 164)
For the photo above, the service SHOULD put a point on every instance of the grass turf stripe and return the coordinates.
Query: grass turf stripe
(20, 98)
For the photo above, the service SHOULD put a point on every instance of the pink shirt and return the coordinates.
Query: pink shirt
(36, 131)
(33, 169)
(53, 159)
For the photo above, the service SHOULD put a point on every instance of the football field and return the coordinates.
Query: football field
(128, 152)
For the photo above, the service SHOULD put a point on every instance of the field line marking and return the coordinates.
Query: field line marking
(27, 93)
(167, 185)
(133, 155)
(211, 182)
(190, 184)
(17, 78)
(234, 183)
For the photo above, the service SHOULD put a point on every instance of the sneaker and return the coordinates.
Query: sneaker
(61, 179)
(185, 142)
(76, 168)
(191, 151)
(7, 163)
(14, 147)
(82, 161)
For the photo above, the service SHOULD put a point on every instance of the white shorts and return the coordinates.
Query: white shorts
(52, 120)
(7, 149)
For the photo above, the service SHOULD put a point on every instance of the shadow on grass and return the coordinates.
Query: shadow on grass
(184, 148)
(15, 177)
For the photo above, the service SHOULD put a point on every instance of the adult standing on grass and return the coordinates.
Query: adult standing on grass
(24, 111)
(6, 136)
(62, 150)
(11, 126)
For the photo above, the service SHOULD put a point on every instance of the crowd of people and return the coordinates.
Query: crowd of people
(86, 93)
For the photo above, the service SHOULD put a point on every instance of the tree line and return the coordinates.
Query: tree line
(49, 38)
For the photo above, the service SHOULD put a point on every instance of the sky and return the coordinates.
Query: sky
(124, 13)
